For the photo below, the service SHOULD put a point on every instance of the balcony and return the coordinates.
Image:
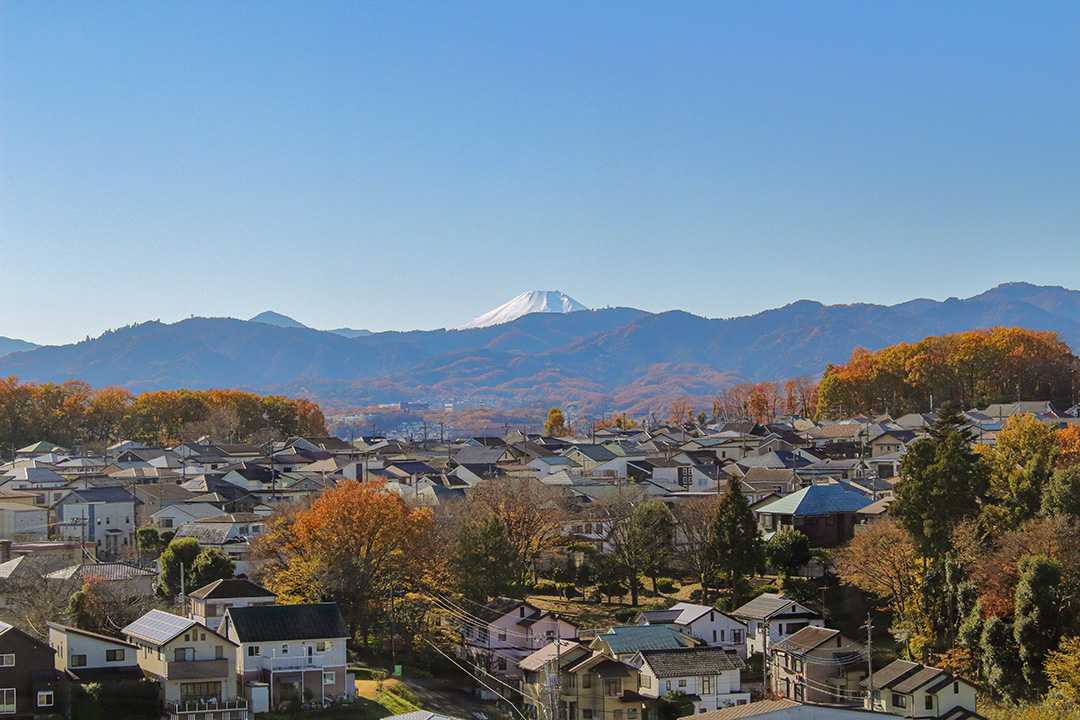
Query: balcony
(294, 662)
(197, 669)
(206, 708)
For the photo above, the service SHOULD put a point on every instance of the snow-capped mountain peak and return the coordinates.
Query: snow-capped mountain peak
(535, 301)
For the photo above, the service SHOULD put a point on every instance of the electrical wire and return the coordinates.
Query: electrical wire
(474, 677)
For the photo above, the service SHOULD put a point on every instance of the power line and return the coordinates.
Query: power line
(488, 687)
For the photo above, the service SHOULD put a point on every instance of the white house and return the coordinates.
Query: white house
(917, 691)
(702, 622)
(709, 674)
(771, 618)
(103, 514)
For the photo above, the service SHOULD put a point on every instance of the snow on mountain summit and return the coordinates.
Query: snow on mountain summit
(535, 301)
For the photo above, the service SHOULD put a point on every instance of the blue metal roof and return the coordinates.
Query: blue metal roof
(817, 500)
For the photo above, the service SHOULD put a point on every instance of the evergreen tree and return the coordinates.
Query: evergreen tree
(1001, 661)
(209, 565)
(787, 550)
(555, 425)
(943, 482)
(485, 564)
(736, 543)
(1037, 626)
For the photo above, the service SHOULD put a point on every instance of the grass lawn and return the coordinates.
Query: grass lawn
(372, 705)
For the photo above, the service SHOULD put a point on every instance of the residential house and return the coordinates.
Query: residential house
(624, 641)
(771, 618)
(209, 603)
(703, 622)
(817, 665)
(297, 650)
(708, 676)
(21, 518)
(121, 579)
(827, 514)
(173, 515)
(790, 710)
(592, 685)
(224, 536)
(30, 685)
(195, 665)
(151, 498)
(916, 691)
(89, 657)
(103, 514)
(504, 631)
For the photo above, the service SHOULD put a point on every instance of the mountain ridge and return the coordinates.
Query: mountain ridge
(614, 358)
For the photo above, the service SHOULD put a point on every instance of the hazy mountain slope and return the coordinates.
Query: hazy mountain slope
(616, 357)
(10, 345)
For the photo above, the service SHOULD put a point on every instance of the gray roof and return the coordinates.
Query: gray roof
(421, 715)
(231, 588)
(108, 571)
(112, 494)
(205, 533)
(157, 627)
(691, 661)
(749, 710)
(275, 623)
(765, 606)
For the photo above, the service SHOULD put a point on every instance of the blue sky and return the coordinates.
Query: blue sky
(412, 165)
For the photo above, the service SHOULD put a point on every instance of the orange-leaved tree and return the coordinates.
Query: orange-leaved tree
(350, 545)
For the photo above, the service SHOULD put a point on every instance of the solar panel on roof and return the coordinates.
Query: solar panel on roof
(158, 627)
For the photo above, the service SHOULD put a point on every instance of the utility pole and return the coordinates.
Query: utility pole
(870, 659)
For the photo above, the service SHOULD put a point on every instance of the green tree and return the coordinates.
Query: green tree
(149, 541)
(485, 564)
(1022, 462)
(642, 538)
(555, 425)
(179, 554)
(1061, 496)
(786, 551)
(1001, 660)
(209, 565)
(735, 540)
(1037, 626)
(942, 483)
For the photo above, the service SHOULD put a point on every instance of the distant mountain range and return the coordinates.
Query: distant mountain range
(611, 359)
(10, 345)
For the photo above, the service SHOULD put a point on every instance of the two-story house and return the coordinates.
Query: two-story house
(86, 657)
(297, 650)
(504, 631)
(709, 676)
(916, 691)
(771, 617)
(592, 685)
(825, 513)
(209, 603)
(817, 665)
(30, 686)
(705, 623)
(102, 514)
(195, 665)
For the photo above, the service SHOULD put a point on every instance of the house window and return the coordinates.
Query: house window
(285, 649)
(324, 645)
(114, 656)
(706, 685)
(253, 650)
(78, 661)
(631, 714)
(45, 698)
(645, 681)
(183, 654)
(899, 700)
(166, 522)
(7, 660)
(502, 663)
(502, 634)
(586, 680)
(928, 702)
(484, 635)
(7, 701)
(736, 636)
(667, 685)
(682, 682)
(219, 652)
(613, 687)
(328, 677)
(956, 688)
(200, 690)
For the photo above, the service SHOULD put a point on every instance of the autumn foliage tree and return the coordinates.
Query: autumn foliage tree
(353, 541)
(970, 368)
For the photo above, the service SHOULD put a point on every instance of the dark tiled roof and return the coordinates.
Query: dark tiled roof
(806, 639)
(691, 661)
(499, 607)
(763, 606)
(231, 588)
(273, 623)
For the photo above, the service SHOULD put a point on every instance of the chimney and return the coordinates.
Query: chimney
(5, 551)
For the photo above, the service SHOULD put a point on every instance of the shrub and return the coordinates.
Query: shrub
(546, 587)
(665, 585)
(625, 615)
(570, 591)
(403, 692)
(366, 673)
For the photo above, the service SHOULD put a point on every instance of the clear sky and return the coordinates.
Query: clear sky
(398, 165)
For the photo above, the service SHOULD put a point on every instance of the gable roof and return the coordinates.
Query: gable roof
(691, 661)
(625, 639)
(273, 623)
(231, 588)
(68, 630)
(767, 605)
(158, 627)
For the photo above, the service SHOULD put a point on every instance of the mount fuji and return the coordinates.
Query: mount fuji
(535, 301)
